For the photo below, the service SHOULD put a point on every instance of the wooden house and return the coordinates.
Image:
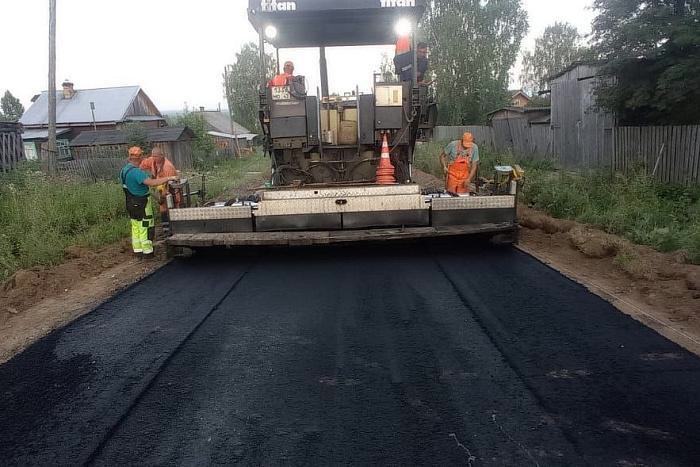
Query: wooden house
(519, 98)
(83, 110)
(176, 143)
(230, 137)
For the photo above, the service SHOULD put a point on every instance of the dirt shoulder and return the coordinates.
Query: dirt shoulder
(35, 302)
(657, 289)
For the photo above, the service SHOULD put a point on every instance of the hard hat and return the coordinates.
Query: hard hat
(135, 151)
(467, 140)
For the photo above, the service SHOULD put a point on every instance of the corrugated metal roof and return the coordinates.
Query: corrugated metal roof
(111, 105)
(221, 122)
(573, 66)
(143, 118)
(42, 134)
(153, 135)
(220, 134)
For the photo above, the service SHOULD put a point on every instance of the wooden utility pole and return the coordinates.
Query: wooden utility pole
(51, 156)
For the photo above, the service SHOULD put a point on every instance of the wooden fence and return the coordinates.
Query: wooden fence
(11, 150)
(519, 137)
(669, 153)
(179, 152)
(104, 168)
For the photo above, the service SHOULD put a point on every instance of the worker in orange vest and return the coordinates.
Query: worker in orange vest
(460, 162)
(160, 167)
(283, 78)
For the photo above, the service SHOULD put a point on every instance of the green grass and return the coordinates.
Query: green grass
(40, 217)
(224, 174)
(665, 217)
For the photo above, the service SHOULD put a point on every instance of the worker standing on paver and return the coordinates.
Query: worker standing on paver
(403, 61)
(284, 78)
(135, 183)
(460, 162)
(160, 167)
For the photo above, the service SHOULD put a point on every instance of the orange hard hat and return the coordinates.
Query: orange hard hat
(467, 140)
(135, 151)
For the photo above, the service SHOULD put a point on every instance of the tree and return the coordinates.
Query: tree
(556, 49)
(11, 108)
(387, 69)
(473, 45)
(651, 52)
(203, 143)
(242, 84)
(136, 135)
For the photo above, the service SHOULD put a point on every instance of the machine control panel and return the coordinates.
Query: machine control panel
(280, 93)
(389, 95)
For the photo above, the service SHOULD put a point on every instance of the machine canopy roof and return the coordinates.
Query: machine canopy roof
(316, 23)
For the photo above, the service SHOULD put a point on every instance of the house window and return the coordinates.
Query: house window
(63, 147)
(30, 151)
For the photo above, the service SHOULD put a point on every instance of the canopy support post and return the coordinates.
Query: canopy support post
(415, 58)
(261, 46)
(324, 72)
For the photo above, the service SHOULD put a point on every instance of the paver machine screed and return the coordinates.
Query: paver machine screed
(325, 150)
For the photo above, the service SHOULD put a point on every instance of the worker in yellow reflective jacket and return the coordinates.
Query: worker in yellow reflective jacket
(135, 183)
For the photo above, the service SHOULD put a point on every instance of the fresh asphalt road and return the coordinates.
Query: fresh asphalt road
(399, 355)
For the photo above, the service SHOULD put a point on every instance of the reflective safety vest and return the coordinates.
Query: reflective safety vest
(457, 175)
(279, 80)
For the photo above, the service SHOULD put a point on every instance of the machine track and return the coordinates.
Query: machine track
(418, 354)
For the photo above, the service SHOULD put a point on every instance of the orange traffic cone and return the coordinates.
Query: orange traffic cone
(385, 171)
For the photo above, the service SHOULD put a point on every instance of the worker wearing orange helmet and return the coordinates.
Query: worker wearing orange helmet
(160, 167)
(135, 183)
(460, 162)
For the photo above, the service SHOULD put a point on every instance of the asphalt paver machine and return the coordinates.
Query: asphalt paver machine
(325, 149)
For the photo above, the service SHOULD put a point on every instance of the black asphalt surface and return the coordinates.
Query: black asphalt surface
(406, 355)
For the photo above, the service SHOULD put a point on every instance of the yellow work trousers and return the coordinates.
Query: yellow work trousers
(143, 231)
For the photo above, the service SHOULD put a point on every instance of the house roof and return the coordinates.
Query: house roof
(221, 122)
(515, 92)
(111, 105)
(41, 133)
(573, 66)
(522, 110)
(116, 137)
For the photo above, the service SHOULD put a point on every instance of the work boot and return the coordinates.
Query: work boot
(150, 255)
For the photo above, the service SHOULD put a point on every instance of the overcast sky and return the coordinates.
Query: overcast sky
(177, 49)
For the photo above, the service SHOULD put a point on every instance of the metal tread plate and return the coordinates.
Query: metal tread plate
(210, 213)
(287, 207)
(473, 202)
